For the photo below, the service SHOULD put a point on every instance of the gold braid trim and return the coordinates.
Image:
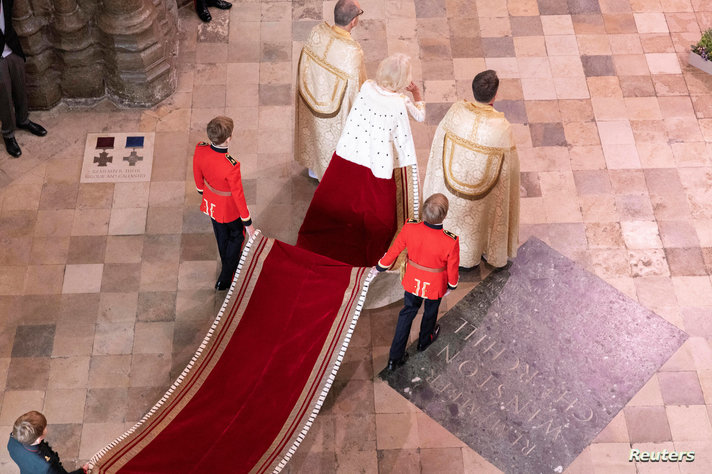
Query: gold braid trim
(331, 106)
(493, 167)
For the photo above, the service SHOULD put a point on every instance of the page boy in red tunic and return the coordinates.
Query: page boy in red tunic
(217, 177)
(431, 271)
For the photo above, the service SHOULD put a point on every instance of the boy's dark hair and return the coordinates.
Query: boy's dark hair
(220, 129)
(485, 85)
(435, 209)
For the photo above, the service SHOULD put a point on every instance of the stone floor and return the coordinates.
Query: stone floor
(98, 314)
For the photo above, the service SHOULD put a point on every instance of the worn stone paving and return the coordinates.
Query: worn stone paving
(106, 289)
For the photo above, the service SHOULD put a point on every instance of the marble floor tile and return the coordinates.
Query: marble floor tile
(604, 235)
(97, 435)
(44, 279)
(33, 341)
(49, 250)
(649, 395)
(692, 290)
(78, 308)
(153, 338)
(663, 63)
(127, 221)
(636, 86)
(689, 423)
(156, 306)
(120, 277)
(553, 7)
(84, 249)
(28, 373)
(616, 431)
(82, 278)
(64, 406)
(611, 457)
(397, 430)
(113, 338)
(680, 388)
(19, 401)
(68, 372)
(588, 23)
(685, 262)
(117, 307)
(90, 222)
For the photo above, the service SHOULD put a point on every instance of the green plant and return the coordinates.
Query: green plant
(704, 46)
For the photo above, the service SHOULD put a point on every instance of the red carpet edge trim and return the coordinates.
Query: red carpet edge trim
(245, 252)
(416, 192)
(327, 385)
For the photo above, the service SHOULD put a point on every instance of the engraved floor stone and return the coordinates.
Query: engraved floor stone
(535, 361)
(118, 157)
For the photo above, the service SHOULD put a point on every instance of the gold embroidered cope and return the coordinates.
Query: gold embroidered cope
(330, 73)
(473, 161)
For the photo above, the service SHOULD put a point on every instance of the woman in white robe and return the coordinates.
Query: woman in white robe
(352, 217)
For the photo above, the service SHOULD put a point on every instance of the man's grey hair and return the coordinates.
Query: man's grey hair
(25, 433)
(29, 427)
(345, 11)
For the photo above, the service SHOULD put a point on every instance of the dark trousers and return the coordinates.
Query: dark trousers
(405, 320)
(12, 94)
(230, 237)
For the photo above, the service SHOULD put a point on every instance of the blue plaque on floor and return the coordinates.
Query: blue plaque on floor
(134, 142)
(535, 361)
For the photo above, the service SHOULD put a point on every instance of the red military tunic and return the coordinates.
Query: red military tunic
(433, 259)
(217, 177)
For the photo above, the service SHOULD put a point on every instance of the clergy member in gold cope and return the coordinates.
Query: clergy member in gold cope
(330, 73)
(473, 161)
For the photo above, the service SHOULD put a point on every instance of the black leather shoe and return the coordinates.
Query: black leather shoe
(12, 147)
(394, 364)
(221, 4)
(220, 286)
(201, 8)
(433, 337)
(34, 128)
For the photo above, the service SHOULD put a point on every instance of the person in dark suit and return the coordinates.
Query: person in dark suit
(201, 7)
(12, 84)
(30, 451)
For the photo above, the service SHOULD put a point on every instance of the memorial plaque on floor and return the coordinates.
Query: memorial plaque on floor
(535, 361)
(118, 157)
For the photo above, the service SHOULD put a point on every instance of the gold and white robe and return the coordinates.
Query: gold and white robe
(473, 161)
(330, 73)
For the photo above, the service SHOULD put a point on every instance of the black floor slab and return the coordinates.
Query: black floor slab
(535, 361)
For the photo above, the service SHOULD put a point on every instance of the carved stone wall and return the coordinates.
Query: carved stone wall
(89, 49)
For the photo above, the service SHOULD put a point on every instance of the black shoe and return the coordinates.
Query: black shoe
(34, 128)
(220, 286)
(202, 10)
(12, 147)
(221, 4)
(433, 337)
(469, 269)
(394, 364)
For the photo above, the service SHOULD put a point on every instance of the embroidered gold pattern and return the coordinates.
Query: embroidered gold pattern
(491, 169)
